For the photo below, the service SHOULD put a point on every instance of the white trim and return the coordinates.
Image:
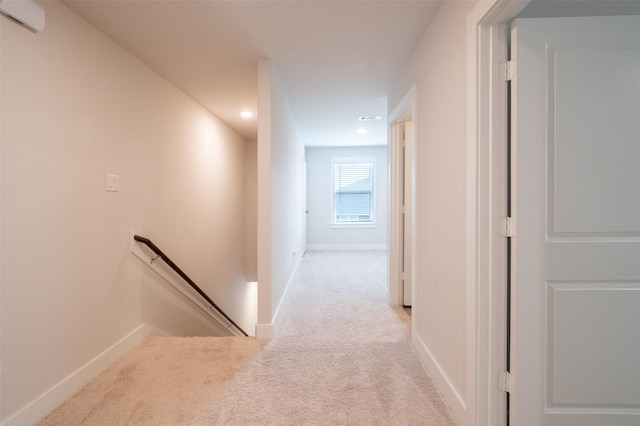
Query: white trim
(485, 177)
(67, 387)
(406, 107)
(353, 225)
(394, 256)
(442, 381)
(340, 247)
(285, 294)
(354, 160)
(405, 110)
(265, 331)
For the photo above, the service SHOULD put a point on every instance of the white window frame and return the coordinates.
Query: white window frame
(353, 160)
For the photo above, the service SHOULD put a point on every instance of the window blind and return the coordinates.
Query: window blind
(353, 192)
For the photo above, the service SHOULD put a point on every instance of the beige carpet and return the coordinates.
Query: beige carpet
(341, 356)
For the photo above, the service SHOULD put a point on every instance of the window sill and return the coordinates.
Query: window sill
(352, 225)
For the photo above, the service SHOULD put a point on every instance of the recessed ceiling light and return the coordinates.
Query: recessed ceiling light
(246, 114)
(362, 130)
(370, 118)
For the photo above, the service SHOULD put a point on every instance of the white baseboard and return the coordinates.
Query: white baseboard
(66, 388)
(286, 289)
(440, 377)
(338, 247)
(264, 331)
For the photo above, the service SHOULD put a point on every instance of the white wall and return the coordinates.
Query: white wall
(75, 107)
(251, 208)
(438, 66)
(280, 166)
(320, 235)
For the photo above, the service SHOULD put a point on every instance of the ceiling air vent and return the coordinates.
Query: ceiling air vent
(370, 118)
(25, 12)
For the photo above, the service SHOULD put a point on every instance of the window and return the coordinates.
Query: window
(353, 197)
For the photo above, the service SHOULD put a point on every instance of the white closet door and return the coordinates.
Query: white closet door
(576, 200)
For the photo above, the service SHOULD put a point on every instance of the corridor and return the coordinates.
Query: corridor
(341, 355)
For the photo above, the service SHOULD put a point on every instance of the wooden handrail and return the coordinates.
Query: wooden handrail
(185, 277)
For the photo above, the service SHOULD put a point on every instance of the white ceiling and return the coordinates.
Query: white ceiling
(336, 59)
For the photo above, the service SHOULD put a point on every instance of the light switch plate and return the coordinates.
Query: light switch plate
(113, 183)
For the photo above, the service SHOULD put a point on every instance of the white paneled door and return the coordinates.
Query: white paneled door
(575, 342)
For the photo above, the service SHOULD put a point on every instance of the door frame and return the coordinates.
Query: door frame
(486, 202)
(405, 111)
(305, 210)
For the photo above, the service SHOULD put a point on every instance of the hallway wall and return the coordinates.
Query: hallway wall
(76, 107)
(438, 67)
(320, 234)
(280, 210)
(251, 209)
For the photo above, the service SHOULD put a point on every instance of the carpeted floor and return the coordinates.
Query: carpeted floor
(341, 356)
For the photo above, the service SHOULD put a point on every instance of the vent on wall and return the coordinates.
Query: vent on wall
(370, 118)
(25, 12)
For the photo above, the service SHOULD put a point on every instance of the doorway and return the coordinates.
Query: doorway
(486, 124)
(402, 206)
(576, 279)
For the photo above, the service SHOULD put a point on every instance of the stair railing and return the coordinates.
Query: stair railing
(160, 255)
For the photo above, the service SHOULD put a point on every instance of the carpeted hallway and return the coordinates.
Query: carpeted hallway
(341, 356)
